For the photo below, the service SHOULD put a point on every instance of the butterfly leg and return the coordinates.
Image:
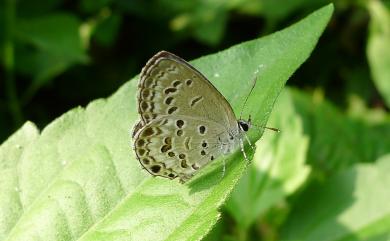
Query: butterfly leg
(249, 142)
(243, 151)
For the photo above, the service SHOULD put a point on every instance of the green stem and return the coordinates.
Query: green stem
(9, 62)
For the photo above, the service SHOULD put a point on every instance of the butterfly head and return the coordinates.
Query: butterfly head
(245, 125)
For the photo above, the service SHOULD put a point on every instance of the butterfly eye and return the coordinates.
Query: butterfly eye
(244, 125)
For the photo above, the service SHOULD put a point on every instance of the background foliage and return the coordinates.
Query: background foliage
(323, 178)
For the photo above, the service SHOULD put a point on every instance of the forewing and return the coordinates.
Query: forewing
(170, 86)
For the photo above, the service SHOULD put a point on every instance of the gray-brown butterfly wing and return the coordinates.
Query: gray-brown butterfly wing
(170, 86)
(180, 112)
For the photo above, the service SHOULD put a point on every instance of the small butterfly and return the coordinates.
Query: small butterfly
(185, 123)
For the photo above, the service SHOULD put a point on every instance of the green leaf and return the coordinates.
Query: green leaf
(11, 152)
(57, 43)
(57, 34)
(338, 141)
(278, 168)
(205, 20)
(80, 179)
(378, 47)
(353, 205)
(107, 30)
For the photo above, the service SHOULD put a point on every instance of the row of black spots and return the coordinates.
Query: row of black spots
(167, 145)
(171, 90)
(183, 161)
(168, 101)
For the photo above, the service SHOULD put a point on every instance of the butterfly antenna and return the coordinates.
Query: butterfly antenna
(268, 128)
(250, 92)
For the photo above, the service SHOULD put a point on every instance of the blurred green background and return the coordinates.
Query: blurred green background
(58, 54)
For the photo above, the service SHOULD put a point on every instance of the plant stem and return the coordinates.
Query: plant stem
(9, 62)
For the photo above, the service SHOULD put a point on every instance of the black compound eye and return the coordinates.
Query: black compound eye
(244, 125)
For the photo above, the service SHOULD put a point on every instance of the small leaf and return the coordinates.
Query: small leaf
(378, 47)
(353, 205)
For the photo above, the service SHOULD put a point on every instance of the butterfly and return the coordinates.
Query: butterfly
(185, 122)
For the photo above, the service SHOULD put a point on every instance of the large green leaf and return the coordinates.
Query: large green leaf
(353, 205)
(81, 180)
(378, 47)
